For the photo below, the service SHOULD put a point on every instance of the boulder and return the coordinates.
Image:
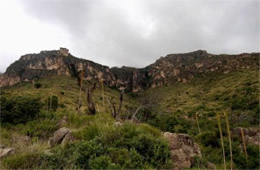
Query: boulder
(6, 151)
(182, 149)
(21, 140)
(211, 166)
(58, 136)
(68, 138)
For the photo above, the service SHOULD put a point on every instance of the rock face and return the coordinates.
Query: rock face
(6, 151)
(172, 68)
(61, 136)
(183, 149)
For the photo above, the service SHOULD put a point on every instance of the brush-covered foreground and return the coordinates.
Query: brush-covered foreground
(100, 143)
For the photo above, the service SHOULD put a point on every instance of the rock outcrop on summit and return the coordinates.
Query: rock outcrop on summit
(172, 68)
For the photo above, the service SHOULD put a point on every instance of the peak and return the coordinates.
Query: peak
(201, 52)
(64, 51)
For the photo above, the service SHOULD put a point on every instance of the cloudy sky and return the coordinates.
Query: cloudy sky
(127, 32)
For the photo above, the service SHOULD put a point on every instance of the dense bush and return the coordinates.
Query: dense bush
(209, 139)
(252, 162)
(171, 123)
(24, 161)
(113, 147)
(37, 85)
(19, 109)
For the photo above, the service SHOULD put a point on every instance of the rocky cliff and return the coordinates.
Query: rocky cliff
(172, 68)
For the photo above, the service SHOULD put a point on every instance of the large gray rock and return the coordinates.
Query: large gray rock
(182, 149)
(6, 151)
(58, 136)
(210, 166)
(68, 138)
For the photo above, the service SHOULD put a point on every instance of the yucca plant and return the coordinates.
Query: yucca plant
(103, 92)
(221, 139)
(244, 144)
(197, 121)
(80, 82)
(229, 139)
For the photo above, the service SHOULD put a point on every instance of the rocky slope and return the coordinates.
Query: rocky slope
(172, 68)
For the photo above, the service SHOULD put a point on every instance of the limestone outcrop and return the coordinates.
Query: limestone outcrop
(182, 149)
(172, 68)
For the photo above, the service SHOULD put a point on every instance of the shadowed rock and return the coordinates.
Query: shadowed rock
(182, 149)
(58, 136)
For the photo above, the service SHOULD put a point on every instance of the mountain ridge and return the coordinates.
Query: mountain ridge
(180, 67)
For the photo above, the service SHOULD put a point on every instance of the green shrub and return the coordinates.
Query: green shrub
(37, 85)
(154, 151)
(24, 161)
(19, 109)
(171, 123)
(62, 157)
(128, 146)
(102, 162)
(90, 132)
(253, 158)
(208, 139)
(112, 147)
(87, 151)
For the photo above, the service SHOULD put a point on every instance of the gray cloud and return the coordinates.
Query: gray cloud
(137, 32)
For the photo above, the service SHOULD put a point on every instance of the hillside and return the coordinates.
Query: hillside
(183, 94)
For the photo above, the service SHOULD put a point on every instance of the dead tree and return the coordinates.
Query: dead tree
(91, 105)
(116, 113)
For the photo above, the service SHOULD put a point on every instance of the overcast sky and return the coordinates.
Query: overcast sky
(127, 32)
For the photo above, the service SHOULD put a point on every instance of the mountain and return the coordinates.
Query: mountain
(172, 68)
(182, 105)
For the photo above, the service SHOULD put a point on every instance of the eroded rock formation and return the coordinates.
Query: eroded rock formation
(172, 68)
